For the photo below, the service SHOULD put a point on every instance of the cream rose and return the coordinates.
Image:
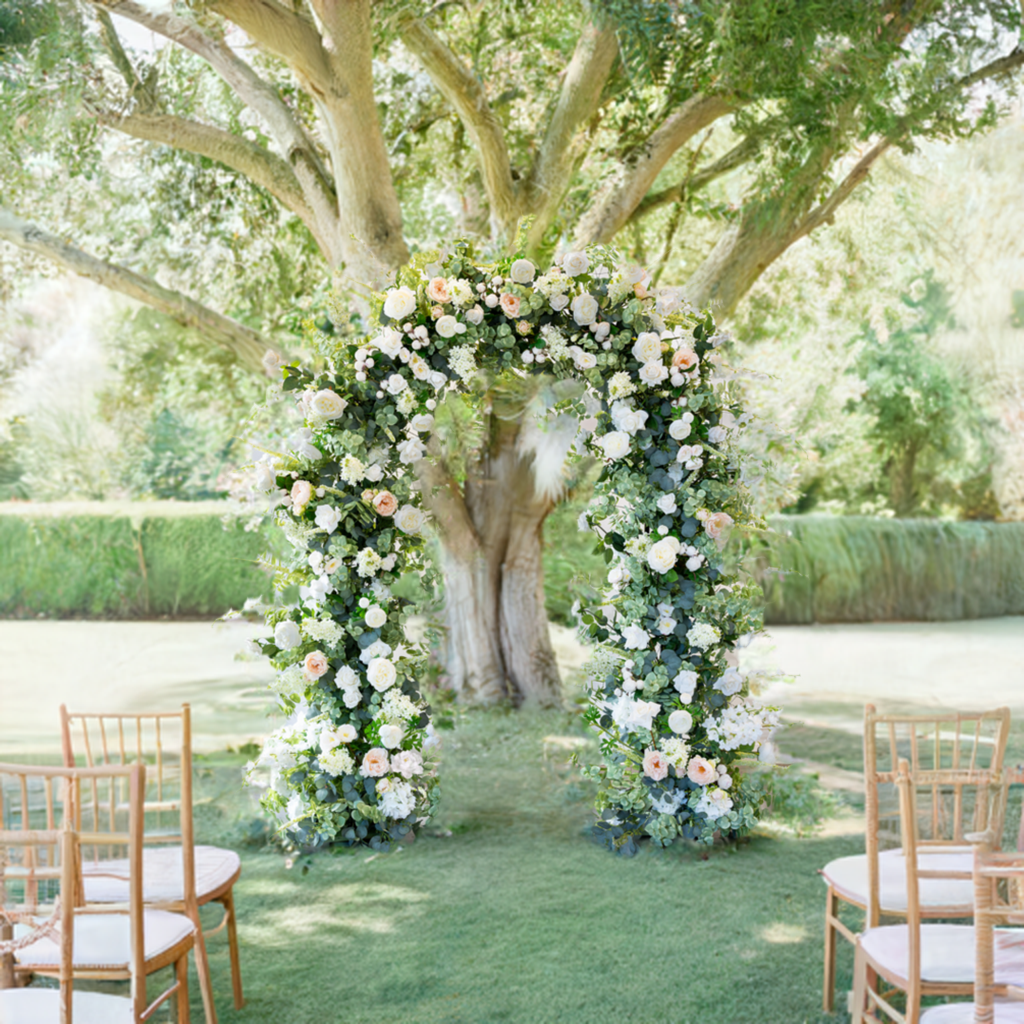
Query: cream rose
(345, 733)
(585, 360)
(389, 341)
(315, 664)
(391, 736)
(302, 492)
(614, 444)
(407, 763)
(647, 347)
(663, 554)
(409, 519)
(575, 263)
(655, 765)
(584, 309)
(680, 722)
(395, 384)
(447, 326)
(510, 304)
(558, 302)
(717, 527)
(385, 503)
(653, 373)
(400, 303)
(327, 405)
(422, 423)
(437, 290)
(701, 771)
(375, 763)
(376, 616)
(522, 271)
(381, 673)
(679, 430)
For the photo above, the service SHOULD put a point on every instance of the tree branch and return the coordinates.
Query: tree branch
(248, 345)
(579, 98)
(469, 100)
(622, 195)
(743, 151)
(263, 98)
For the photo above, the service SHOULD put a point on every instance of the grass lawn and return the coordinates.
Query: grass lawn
(506, 911)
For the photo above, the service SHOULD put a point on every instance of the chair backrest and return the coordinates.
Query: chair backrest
(163, 742)
(998, 892)
(970, 745)
(40, 860)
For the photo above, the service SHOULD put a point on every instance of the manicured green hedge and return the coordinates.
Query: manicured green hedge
(138, 561)
(863, 569)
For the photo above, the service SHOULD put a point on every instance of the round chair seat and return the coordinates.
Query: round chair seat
(963, 1013)
(163, 879)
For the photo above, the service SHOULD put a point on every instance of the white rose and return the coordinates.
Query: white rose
(679, 430)
(730, 682)
(475, 315)
(522, 271)
(585, 360)
(286, 635)
(327, 405)
(667, 504)
(636, 638)
(345, 733)
(374, 473)
(376, 616)
(584, 309)
(411, 450)
(395, 384)
(400, 303)
(447, 326)
(346, 678)
(421, 423)
(409, 519)
(559, 302)
(389, 341)
(685, 682)
(647, 347)
(327, 518)
(437, 379)
(614, 444)
(680, 722)
(662, 556)
(716, 435)
(381, 673)
(419, 366)
(391, 736)
(653, 373)
(628, 419)
(575, 263)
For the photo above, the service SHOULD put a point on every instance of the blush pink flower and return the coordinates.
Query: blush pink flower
(302, 492)
(375, 763)
(717, 526)
(315, 664)
(655, 765)
(385, 503)
(684, 359)
(701, 771)
(510, 305)
(437, 290)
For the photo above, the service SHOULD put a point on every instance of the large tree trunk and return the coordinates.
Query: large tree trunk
(497, 645)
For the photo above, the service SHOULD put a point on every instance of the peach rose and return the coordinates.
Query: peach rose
(510, 305)
(302, 492)
(375, 763)
(684, 359)
(701, 771)
(655, 765)
(717, 526)
(315, 664)
(437, 290)
(640, 290)
(385, 503)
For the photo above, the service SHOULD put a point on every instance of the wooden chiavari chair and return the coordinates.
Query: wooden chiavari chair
(875, 881)
(178, 875)
(75, 940)
(921, 958)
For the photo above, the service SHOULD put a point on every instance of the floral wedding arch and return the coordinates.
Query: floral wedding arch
(656, 406)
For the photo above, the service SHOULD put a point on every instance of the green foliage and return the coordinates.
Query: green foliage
(863, 569)
(119, 566)
(792, 798)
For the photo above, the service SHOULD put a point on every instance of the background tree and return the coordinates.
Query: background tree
(720, 133)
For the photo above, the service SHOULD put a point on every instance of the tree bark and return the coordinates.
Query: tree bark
(248, 345)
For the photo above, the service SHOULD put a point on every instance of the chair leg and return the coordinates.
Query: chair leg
(203, 972)
(236, 966)
(181, 972)
(828, 995)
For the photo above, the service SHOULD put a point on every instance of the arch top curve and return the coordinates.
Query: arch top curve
(654, 400)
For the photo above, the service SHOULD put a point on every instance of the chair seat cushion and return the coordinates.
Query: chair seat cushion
(103, 940)
(963, 1013)
(947, 952)
(849, 877)
(162, 875)
(42, 1006)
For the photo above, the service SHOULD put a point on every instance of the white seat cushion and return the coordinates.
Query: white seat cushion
(103, 940)
(849, 877)
(947, 952)
(963, 1013)
(162, 875)
(42, 1006)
